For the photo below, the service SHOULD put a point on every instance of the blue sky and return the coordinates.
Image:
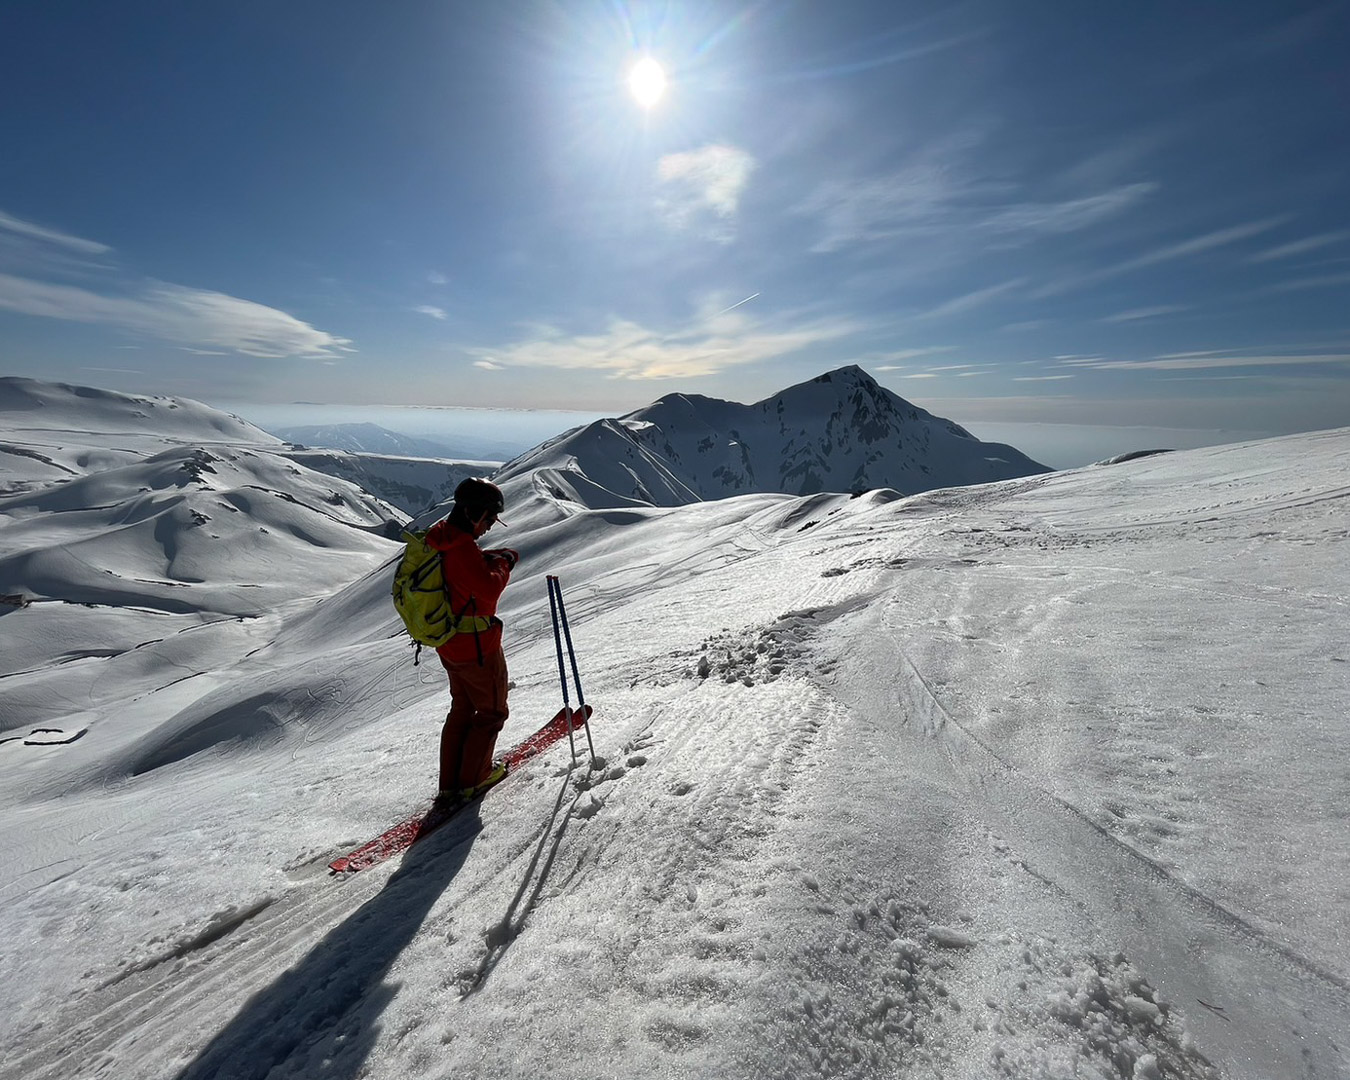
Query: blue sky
(1091, 214)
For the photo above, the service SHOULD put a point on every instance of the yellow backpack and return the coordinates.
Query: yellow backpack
(422, 598)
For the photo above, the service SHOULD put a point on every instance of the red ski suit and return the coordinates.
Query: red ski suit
(475, 580)
(473, 658)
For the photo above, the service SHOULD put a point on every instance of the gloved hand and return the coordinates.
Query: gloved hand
(511, 556)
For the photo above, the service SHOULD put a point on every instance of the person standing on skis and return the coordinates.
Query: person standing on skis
(475, 579)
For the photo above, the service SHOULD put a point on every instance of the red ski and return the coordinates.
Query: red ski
(400, 837)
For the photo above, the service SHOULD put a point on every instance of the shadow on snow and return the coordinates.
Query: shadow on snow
(320, 1018)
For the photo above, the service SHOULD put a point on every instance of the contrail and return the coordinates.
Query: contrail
(737, 304)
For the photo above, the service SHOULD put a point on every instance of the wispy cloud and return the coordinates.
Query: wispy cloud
(888, 361)
(700, 190)
(1207, 242)
(199, 319)
(1126, 154)
(1200, 360)
(1134, 314)
(950, 371)
(29, 231)
(628, 350)
(1070, 215)
(1196, 245)
(874, 209)
(177, 314)
(488, 365)
(970, 301)
(1301, 247)
(1321, 281)
(872, 55)
(937, 193)
(431, 310)
(437, 278)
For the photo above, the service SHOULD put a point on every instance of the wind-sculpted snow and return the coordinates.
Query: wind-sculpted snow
(185, 530)
(1034, 779)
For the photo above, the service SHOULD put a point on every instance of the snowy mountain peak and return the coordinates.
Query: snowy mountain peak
(849, 373)
(841, 431)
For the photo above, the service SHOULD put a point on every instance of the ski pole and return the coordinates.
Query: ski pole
(553, 602)
(576, 674)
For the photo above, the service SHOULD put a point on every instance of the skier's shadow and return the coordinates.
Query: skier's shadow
(321, 1016)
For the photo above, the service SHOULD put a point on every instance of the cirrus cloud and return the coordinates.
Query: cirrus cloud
(1201, 360)
(202, 320)
(30, 231)
(627, 350)
(195, 317)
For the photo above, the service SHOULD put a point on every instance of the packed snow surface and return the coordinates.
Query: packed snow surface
(1040, 778)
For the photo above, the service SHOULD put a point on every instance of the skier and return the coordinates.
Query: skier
(473, 658)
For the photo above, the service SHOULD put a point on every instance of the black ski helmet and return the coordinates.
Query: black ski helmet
(476, 497)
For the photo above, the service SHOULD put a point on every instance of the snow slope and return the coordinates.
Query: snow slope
(839, 432)
(1039, 778)
(144, 539)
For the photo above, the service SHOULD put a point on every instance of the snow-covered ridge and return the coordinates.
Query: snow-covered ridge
(52, 431)
(29, 405)
(841, 431)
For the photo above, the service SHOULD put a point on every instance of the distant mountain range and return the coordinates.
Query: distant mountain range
(411, 483)
(374, 439)
(841, 431)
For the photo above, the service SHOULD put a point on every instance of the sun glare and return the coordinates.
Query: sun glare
(647, 82)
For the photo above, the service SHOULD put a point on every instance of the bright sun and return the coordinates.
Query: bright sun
(647, 82)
